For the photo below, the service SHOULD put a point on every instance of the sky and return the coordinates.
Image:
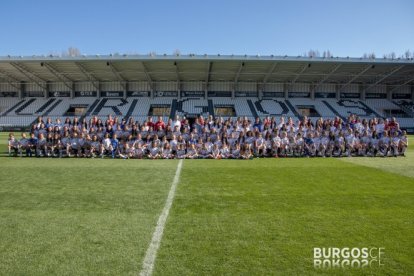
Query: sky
(264, 27)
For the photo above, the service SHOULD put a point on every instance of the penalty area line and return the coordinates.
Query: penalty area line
(150, 256)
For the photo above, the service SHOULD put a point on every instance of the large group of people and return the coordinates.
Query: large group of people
(213, 138)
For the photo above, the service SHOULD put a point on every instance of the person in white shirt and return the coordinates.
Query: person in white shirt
(349, 143)
(339, 147)
(259, 145)
(373, 144)
(268, 145)
(176, 122)
(13, 145)
(235, 153)
(154, 152)
(365, 141)
(106, 146)
(324, 144)
(384, 144)
(299, 143)
(192, 152)
(379, 128)
(225, 151)
(166, 152)
(284, 144)
(394, 143)
(247, 152)
(174, 144)
(41, 149)
(216, 152)
(276, 144)
(204, 152)
(24, 145)
(94, 146)
(181, 154)
(139, 151)
(74, 145)
(402, 147)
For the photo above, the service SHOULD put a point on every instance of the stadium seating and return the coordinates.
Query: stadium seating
(406, 106)
(21, 113)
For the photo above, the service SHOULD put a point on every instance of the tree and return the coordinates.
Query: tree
(313, 53)
(391, 55)
(71, 52)
(327, 54)
(369, 55)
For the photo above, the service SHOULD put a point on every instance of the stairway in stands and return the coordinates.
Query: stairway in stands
(252, 109)
(334, 110)
(131, 109)
(43, 107)
(405, 108)
(92, 107)
(99, 106)
(370, 110)
(52, 107)
(291, 107)
(26, 104)
(211, 108)
(173, 108)
(13, 107)
(259, 107)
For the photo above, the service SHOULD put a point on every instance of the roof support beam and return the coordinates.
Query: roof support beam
(39, 81)
(90, 76)
(400, 85)
(236, 78)
(384, 77)
(300, 73)
(121, 80)
(209, 65)
(269, 73)
(177, 72)
(356, 76)
(147, 75)
(67, 81)
(322, 81)
(10, 79)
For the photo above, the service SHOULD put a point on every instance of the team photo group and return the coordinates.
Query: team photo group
(209, 138)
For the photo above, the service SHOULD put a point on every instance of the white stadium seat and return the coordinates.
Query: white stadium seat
(16, 112)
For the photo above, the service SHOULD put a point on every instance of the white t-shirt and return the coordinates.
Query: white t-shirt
(13, 142)
(176, 123)
(106, 143)
(24, 142)
(380, 128)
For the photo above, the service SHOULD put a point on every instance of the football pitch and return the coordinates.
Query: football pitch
(228, 217)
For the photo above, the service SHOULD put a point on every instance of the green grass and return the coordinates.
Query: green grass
(400, 166)
(258, 217)
(71, 217)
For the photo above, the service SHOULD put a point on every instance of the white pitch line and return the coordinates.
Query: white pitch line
(149, 260)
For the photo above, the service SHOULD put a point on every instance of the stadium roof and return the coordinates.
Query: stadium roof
(207, 68)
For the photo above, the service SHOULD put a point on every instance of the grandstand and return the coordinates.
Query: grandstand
(232, 86)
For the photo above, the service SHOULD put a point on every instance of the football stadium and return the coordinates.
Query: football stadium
(206, 164)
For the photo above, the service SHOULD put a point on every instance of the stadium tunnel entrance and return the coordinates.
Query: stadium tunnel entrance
(191, 120)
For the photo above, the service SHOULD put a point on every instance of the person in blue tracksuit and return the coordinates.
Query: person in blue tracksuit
(32, 144)
(115, 145)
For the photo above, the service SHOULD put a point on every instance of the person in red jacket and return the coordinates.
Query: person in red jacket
(159, 123)
(149, 122)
